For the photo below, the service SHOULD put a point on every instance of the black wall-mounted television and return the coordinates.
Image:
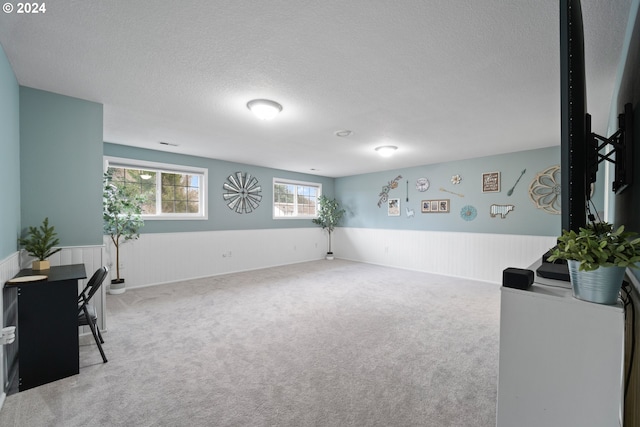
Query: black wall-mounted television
(574, 149)
(574, 141)
(582, 150)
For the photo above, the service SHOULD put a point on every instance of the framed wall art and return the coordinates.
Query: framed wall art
(435, 206)
(393, 207)
(491, 182)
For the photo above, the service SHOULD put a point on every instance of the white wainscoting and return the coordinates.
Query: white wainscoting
(169, 257)
(9, 267)
(478, 256)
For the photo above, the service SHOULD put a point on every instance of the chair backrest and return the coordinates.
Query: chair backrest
(93, 285)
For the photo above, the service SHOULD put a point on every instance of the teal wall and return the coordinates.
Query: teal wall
(57, 130)
(220, 216)
(9, 159)
(61, 165)
(627, 203)
(360, 194)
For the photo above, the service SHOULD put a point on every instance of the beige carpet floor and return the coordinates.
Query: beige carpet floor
(323, 343)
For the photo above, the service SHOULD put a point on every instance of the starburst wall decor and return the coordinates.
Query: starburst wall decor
(243, 192)
(468, 213)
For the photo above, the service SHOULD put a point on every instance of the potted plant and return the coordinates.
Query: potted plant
(329, 215)
(597, 256)
(122, 218)
(39, 243)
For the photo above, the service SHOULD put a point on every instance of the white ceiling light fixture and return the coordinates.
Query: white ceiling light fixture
(386, 150)
(264, 109)
(343, 133)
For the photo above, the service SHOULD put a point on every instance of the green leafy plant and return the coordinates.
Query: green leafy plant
(40, 241)
(598, 245)
(121, 215)
(329, 215)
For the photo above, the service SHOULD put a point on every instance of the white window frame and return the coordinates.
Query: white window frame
(167, 168)
(294, 182)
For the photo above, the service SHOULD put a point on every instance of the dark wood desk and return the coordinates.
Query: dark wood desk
(45, 314)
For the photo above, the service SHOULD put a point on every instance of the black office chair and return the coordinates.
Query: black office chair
(86, 312)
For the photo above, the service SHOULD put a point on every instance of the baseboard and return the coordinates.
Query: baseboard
(147, 285)
(3, 396)
(454, 276)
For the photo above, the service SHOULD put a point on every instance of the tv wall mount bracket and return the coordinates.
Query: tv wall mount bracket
(621, 153)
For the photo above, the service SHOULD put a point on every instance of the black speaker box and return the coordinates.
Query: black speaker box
(517, 278)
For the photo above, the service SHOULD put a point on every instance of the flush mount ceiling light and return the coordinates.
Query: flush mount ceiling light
(386, 150)
(343, 133)
(264, 109)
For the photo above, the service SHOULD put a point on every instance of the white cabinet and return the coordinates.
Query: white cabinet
(561, 360)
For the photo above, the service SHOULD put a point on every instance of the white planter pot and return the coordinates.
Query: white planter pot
(117, 287)
(601, 286)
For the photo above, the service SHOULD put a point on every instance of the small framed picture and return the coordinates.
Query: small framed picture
(393, 207)
(435, 206)
(491, 182)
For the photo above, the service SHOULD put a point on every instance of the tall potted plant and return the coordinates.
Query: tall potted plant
(40, 242)
(597, 256)
(329, 215)
(122, 218)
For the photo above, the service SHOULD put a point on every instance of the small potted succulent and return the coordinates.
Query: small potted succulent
(329, 215)
(40, 243)
(597, 256)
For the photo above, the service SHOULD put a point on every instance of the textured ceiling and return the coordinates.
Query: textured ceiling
(440, 79)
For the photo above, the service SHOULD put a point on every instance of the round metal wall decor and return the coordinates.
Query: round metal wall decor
(243, 192)
(468, 213)
(544, 190)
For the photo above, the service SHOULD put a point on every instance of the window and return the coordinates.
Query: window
(292, 199)
(170, 191)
